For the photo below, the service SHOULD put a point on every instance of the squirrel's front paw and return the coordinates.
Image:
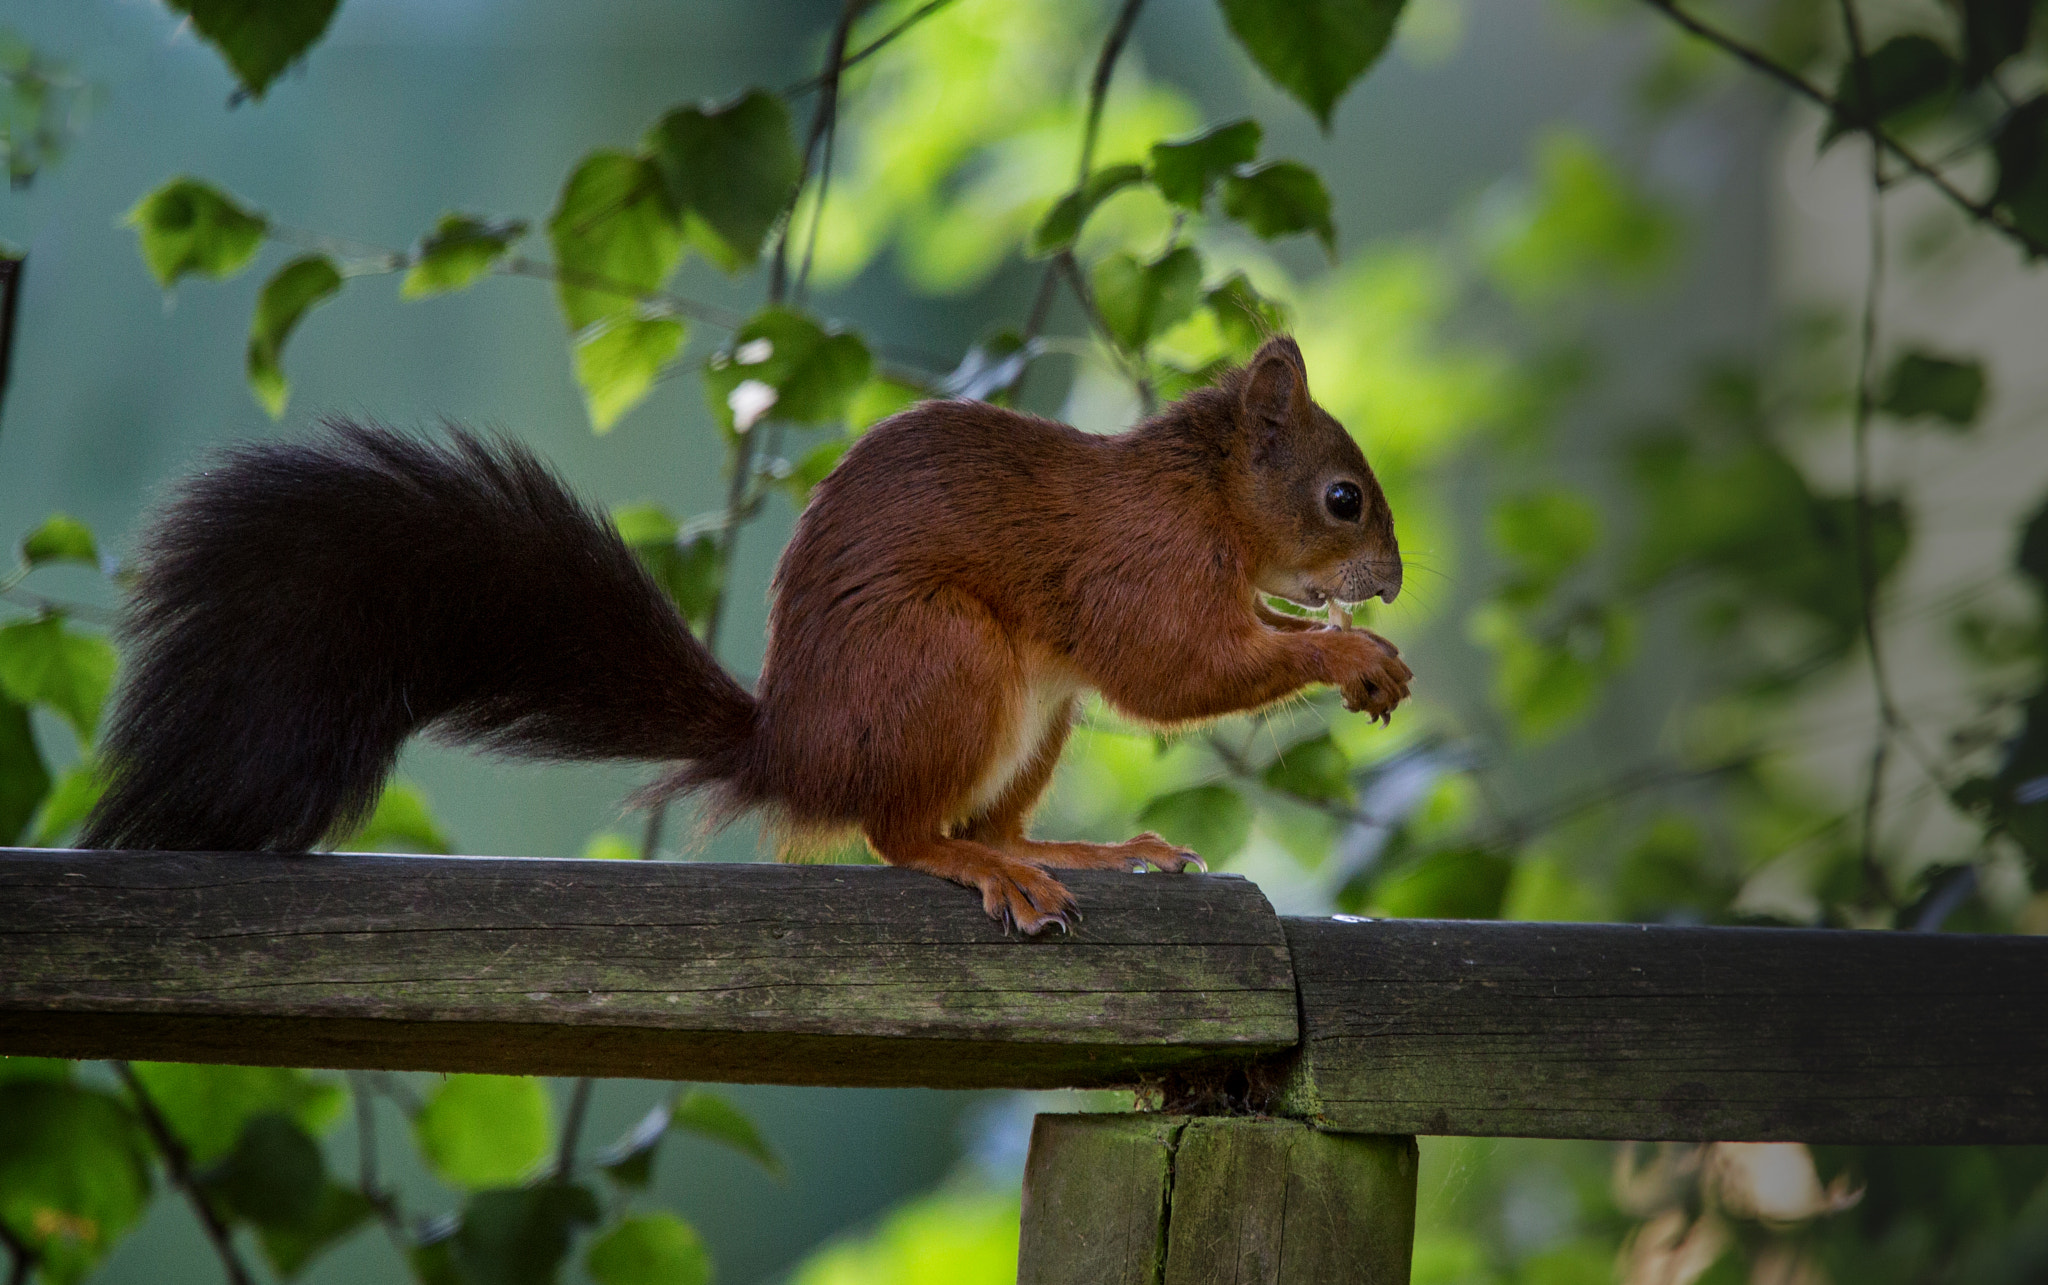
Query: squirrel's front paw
(1381, 682)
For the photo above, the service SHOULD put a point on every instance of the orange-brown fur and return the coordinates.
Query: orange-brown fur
(968, 572)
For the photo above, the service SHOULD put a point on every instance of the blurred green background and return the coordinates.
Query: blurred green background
(1592, 313)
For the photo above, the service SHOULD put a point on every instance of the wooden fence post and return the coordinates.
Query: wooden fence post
(1204, 1200)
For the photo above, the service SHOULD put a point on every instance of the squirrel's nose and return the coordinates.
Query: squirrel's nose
(1376, 575)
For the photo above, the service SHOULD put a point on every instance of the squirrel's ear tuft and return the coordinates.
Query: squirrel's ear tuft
(1276, 383)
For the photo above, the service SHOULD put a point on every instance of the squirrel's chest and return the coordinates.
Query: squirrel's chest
(1043, 708)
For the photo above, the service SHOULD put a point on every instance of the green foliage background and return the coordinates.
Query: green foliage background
(1672, 510)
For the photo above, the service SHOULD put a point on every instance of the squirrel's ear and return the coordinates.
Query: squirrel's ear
(1276, 383)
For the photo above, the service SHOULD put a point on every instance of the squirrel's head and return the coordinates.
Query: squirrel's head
(1321, 522)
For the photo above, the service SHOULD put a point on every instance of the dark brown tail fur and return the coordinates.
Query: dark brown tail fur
(303, 608)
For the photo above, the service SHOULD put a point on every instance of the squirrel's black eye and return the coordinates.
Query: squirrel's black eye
(1345, 501)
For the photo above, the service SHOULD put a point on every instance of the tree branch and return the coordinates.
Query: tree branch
(1098, 94)
(572, 1128)
(737, 489)
(178, 1162)
(21, 1259)
(1874, 879)
(869, 49)
(1982, 211)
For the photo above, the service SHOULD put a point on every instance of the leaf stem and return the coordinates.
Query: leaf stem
(572, 1128)
(868, 50)
(178, 1162)
(1875, 881)
(21, 1259)
(1098, 94)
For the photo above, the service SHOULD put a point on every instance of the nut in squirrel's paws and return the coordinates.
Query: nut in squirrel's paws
(1381, 685)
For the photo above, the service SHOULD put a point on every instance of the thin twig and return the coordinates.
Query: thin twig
(572, 1128)
(736, 494)
(1982, 211)
(21, 1258)
(1098, 94)
(1874, 878)
(179, 1163)
(12, 268)
(821, 122)
(868, 50)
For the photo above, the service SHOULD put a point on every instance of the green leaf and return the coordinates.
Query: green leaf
(687, 571)
(403, 821)
(1993, 31)
(458, 251)
(68, 803)
(1185, 171)
(61, 538)
(1214, 820)
(2032, 557)
(1546, 680)
(2021, 150)
(618, 360)
(877, 400)
(1140, 300)
(290, 1249)
(1454, 883)
(1924, 386)
(1280, 198)
(274, 1177)
(1313, 49)
(520, 1237)
(732, 168)
(259, 38)
(74, 1174)
(1246, 317)
(616, 238)
(296, 289)
(1545, 534)
(1905, 73)
(484, 1130)
(650, 1249)
(629, 1161)
(432, 1256)
(1583, 224)
(710, 1116)
(609, 845)
(207, 1107)
(1062, 224)
(188, 226)
(1312, 769)
(815, 466)
(42, 662)
(41, 1070)
(24, 781)
(784, 363)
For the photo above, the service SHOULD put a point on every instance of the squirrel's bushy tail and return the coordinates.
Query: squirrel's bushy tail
(303, 608)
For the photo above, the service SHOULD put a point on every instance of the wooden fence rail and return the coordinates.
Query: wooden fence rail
(858, 975)
(1297, 1056)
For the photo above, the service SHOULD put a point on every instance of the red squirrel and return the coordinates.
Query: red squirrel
(955, 586)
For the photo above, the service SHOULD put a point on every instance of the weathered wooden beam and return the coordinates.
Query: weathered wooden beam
(1178, 1200)
(1613, 1031)
(843, 975)
(860, 975)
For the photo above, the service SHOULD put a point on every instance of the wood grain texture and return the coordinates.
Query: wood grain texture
(1612, 1031)
(1095, 1199)
(1180, 1200)
(1276, 1202)
(773, 974)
